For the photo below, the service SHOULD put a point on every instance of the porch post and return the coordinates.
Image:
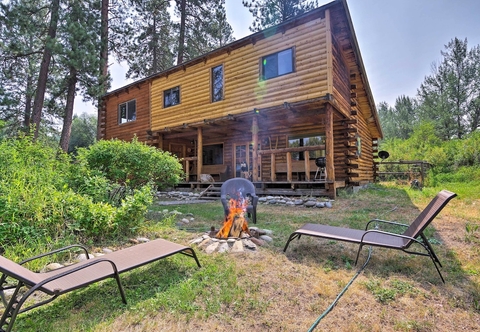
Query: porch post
(255, 148)
(199, 152)
(329, 152)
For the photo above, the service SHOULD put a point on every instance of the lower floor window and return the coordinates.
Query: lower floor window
(213, 154)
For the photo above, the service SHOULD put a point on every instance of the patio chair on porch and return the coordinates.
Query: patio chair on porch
(238, 188)
(375, 237)
(79, 275)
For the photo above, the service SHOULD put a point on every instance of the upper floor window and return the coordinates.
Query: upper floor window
(217, 83)
(277, 64)
(127, 111)
(171, 97)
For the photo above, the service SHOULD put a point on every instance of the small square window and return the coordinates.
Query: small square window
(127, 112)
(277, 64)
(171, 97)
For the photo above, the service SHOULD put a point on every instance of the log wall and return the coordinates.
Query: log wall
(243, 88)
(139, 127)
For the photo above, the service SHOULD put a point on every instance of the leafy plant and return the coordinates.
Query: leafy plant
(132, 164)
(44, 196)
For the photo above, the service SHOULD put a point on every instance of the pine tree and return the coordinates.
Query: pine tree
(153, 39)
(268, 13)
(449, 96)
(203, 27)
(21, 25)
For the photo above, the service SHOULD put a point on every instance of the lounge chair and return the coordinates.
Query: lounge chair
(237, 188)
(376, 237)
(82, 274)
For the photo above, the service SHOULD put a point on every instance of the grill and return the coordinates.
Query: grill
(320, 162)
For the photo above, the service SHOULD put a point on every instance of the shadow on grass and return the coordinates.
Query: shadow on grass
(83, 309)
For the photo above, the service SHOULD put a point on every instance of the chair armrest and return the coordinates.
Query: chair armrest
(391, 234)
(385, 222)
(78, 268)
(56, 251)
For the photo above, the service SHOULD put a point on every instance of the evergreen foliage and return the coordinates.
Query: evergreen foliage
(202, 27)
(150, 49)
(84, 131)
(450, 96)
(268, 13)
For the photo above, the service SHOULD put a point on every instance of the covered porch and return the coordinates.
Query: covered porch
(258, 145)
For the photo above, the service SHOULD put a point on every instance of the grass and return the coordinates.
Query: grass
(274, 291)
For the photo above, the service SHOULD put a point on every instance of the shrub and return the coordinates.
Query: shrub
(44, 196)
(132, 164)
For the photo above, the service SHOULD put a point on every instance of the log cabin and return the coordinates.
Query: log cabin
(289, 107)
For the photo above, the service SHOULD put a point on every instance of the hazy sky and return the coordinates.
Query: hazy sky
(399, 40)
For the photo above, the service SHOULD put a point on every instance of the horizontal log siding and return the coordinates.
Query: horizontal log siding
(341, 79)
(365, 161)
(139, 127)
(243, 89)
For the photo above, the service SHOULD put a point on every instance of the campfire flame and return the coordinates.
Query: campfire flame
(235, 222)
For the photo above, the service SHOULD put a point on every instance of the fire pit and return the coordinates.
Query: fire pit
(234, 235)
(235, 223)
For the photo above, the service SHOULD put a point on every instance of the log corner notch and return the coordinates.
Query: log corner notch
(329, 150)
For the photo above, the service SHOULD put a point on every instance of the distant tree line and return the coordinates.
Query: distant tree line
(52, 51)
(448, 98)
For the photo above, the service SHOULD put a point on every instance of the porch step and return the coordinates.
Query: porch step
(211, 192)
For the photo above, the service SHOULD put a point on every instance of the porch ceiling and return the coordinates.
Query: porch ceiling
(283, 117)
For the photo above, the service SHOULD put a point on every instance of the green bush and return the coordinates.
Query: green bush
(44, 196)
(132, 164)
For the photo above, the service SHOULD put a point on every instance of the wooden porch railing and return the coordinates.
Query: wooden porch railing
(292, 166)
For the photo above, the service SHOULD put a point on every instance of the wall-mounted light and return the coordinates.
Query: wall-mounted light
(256, 111)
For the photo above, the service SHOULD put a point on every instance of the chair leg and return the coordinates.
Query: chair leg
(120, 288)
(430, 249)
(292, 237)
(11, 310)
(436, 266)
(358, 253)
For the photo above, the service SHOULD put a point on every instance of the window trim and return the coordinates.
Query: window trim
(262, 73)
(119, 117)
(212, 82)
(170, 90)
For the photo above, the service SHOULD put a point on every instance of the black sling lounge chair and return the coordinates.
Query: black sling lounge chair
(376, 237)
(82, 274)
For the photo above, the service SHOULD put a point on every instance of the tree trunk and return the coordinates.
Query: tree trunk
(181, 37)
(28, 104)
(43, 75)
(67, 119)
(103, 65)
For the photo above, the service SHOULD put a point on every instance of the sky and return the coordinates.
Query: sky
(399, 40)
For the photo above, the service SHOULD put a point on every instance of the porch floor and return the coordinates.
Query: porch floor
(285, 188)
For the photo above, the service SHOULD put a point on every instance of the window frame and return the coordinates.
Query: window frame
(170, 91)
(213, 83)
(127, 111)
(276, 54)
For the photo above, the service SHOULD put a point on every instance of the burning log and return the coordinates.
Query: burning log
(235, 223)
